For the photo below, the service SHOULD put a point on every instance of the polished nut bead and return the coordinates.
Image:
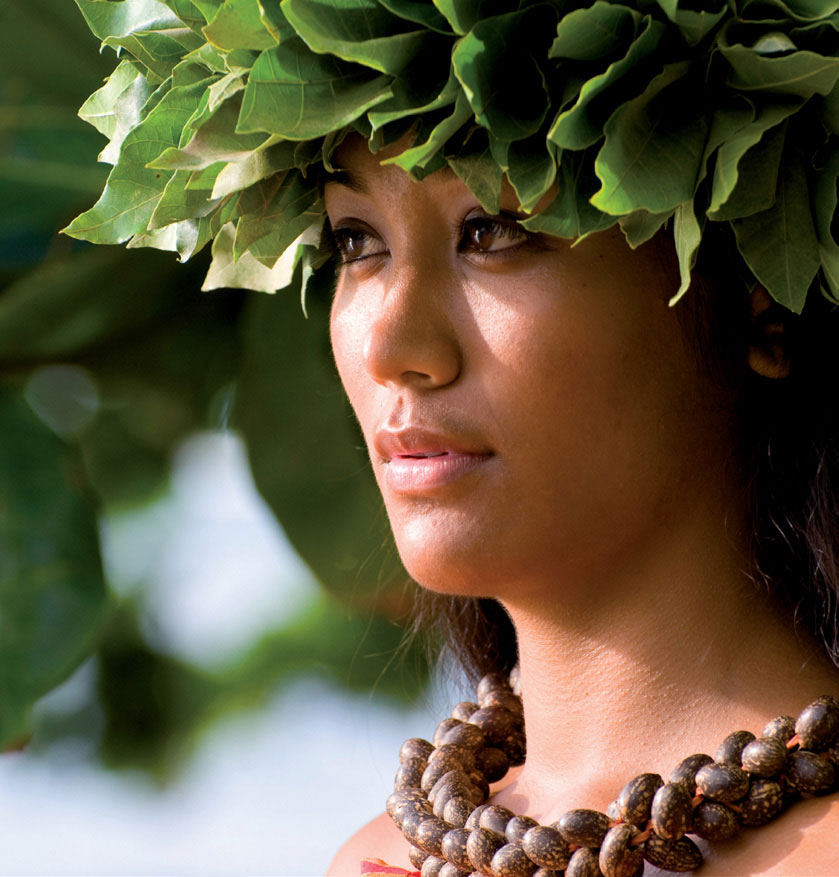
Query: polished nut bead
(496, 722)
(505, 699)
(765, 757)
(515, 680)
(442, 729)
(492, 762)
(403, 796)
(451, 780)
(403, 811)
(409, 774)
(431, 866)
(584, 863)
(468, 736)
(679, 855)
(454, 848)
(415, 747)
(495, 818)
(417, 857)
(612, 811)
(463, 710)
(517, 827)
(685, 771)
(456, 811)
(515, 746)
(671, 811)
(722, 782)
(546, 846)
(714, 821)
(481, 845)
(492, 682)
(585, 828)
(429, 835)
(818, 724)
(636, 798)
(454, 754)
(440, 768)
(731, 748)
(545, 872)
(809, 773)
(450, 870)
(474, 820)
(617, 858)
(780, 728)
(511, 861)
(763, 803)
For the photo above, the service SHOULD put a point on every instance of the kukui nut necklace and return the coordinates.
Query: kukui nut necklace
(441, 787)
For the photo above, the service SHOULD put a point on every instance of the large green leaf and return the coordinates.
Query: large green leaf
(362, 31)
(826, 217)
(694, 24)
(239, 24)
(780, 244)
(481, 175)
(52, 593)
(582, 124)
(497, 67)
(127, 17)
(653, 152)
(530, 166)
(299, 95)
(133, 190)
(463, 15)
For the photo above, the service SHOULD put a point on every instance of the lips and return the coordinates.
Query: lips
(421, 443)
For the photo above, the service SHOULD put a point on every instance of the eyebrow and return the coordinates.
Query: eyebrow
(349, 179)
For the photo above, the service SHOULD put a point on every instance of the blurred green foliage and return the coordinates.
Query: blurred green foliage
(109, 358)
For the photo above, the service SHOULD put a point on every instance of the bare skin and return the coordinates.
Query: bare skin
(608, 515)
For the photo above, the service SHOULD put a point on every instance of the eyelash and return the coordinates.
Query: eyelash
(340, 236)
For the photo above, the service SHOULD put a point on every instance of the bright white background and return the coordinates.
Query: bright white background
(270, 793)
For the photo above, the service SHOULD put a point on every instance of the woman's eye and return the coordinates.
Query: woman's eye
(354, 243)
(487, 234)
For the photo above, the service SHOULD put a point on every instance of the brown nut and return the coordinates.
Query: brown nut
(515, 747)
(429, 835)
(818, 724)
(495, 818)
(685, 771)
(636, 798)
(731, 748)
(671, 811)
(431, 866)
(473, 821)
(584, 863)
(714, 821)
(722, 782)
(456, 811)
(415, 747)
(585, 828)
(481, 845)
(454, 848)
(442, 729)
(450, 870)
(511, 861)
(546, 846)
(679, 855)
(452, 753)
(468, 736)
(463, 710)
(505, 699)
(517, 827)
(417, 857)
(617, 858)
(496, 722)
(492, 762)
(492, 682)
(765, 757)
(780, 728)
(515, 680)
(396, 799)
(763, 803)
(409, 774)
(809, 773)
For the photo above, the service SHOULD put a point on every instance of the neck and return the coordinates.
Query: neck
(655, 662)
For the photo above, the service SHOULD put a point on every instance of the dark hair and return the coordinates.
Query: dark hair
(789, 430)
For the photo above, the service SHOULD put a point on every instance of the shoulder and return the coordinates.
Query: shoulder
(379, 839)
(803, 840)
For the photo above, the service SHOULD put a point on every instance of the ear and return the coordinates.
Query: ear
(769, 345)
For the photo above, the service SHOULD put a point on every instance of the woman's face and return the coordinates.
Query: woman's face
(566, 418)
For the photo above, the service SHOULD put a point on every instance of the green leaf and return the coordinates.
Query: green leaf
(826, 217)
(239, 24)
(99, 109)
(362, 31)
(654, 146)
(780, 245)
(595, 32)
(188, 12)
(687, 234)
(571, 214)
(694, 24)
(52, 593)
(127, 17)
(177, 203)
(419, 11)
(416, 158)
(410, 98)
(641, 226)
(247, 272)
(582, 124)
(271, 207)
(831, 111)
(752, 183)
(801, 73)
(530, 166)
(133, 190)
(299, 95)
(463, 15)
(157, 53)
(480, 174)
(497, 67)
(259, 165)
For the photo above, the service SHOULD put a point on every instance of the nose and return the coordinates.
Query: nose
(412, 340)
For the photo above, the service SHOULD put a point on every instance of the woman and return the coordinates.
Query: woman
(588, 472)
